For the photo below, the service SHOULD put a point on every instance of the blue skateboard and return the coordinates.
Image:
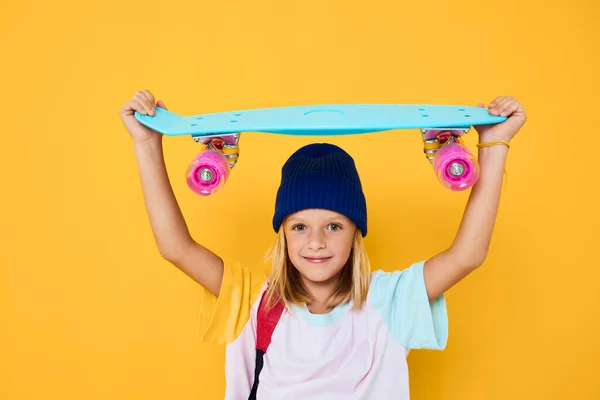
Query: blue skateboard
(441, 127)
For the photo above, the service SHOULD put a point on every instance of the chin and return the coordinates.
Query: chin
(318, 277)
(318, 273)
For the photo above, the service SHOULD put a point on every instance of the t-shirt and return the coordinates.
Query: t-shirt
(345, 354)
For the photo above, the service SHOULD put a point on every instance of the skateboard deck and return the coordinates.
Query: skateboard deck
(441, 128)
(327, 119)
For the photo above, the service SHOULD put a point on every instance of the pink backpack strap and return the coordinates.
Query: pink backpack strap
(266, 321)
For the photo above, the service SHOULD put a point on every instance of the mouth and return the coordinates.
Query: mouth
(317, 260)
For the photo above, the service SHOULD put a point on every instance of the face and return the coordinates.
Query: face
(319, 243)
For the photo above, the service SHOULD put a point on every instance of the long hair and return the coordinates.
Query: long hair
(285, 283)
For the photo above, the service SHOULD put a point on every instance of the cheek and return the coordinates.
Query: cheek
(294, 247)
(346, 250)
(343, 247)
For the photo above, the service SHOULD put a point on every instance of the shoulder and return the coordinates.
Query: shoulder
(223, 318)
(400, 297)
(386, 284)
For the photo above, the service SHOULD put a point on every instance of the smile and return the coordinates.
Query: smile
(317, 260)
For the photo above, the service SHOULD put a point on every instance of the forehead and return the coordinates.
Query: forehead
(315, 214)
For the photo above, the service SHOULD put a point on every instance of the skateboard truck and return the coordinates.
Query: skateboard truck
(434, 138)
(454, 165)
(226, 144)
(209, 170)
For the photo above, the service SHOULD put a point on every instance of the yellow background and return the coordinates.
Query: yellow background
(89, 310)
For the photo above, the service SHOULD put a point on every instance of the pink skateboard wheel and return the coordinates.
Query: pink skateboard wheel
(208, 172)
(455, 167)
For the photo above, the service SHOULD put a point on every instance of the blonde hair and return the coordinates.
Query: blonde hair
(285, 283)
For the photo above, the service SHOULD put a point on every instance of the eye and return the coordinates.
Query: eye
(299, 227)
(334, 227)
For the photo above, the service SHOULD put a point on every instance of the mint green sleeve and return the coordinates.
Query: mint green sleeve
(401, 298)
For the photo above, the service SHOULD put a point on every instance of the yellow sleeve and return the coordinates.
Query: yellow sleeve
(223, 318)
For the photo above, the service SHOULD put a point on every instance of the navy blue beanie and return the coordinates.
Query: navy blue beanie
(321, 175)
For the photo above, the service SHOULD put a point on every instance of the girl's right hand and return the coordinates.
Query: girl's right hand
(143, 102)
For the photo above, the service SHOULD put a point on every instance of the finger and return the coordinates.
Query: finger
(497, 105)
(495, 102)
(141, 97)
(143, 100)
(149, 96)
(508, 107)
(138, 106)
(481, 105)
(126, 110)
(151, 100)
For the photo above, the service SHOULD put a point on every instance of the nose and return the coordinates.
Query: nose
(316, 240)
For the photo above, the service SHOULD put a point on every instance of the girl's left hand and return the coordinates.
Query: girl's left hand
(505, 106)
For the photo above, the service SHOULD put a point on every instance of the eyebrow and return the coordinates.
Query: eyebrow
(334, 219)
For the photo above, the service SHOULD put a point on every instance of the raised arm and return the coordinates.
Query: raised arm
(171, 233)
(470, 247)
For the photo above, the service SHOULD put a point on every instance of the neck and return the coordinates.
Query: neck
(320, 293)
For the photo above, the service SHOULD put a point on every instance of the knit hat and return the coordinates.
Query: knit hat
(321, 175)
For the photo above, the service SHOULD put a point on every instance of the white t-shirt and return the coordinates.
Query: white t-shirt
(345, 354)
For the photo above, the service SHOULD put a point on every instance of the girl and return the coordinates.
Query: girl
(333, 329)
